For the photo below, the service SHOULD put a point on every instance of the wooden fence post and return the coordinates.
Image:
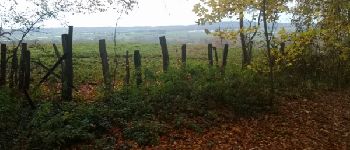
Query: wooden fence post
(183, 54)
(22, 66)
(3, 65)
(127, 68)
(58, 55)
(210, 54)
(137, 62)
(14, 68)
(64, 76)
(216, 56)
(69, 63)
(67, 42)
(105, 65)
(225, 54)
(165, 53)
(27, 70)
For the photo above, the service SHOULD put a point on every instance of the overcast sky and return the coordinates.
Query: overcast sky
(147, 13)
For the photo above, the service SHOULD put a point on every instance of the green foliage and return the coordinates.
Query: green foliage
(144, 133)
(191, 97)
(194, 91)
(10, 118)
(55, 126)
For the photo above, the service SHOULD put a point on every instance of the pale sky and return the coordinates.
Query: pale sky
(147, 13)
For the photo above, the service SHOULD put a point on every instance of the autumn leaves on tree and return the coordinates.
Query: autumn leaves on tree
(317, 45)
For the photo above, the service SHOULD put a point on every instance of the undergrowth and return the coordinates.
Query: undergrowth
(193, 97)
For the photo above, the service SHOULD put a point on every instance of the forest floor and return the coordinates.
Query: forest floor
(320, 122)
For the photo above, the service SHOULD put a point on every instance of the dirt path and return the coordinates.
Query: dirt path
(322, 122)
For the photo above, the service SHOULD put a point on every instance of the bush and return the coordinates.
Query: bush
(180, 97)
(10, 119)
(55, 126)
(144, 132)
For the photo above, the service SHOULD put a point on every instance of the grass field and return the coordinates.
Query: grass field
(88, 67)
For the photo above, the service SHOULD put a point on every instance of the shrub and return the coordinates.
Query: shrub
(10, 117)
(55, 126)
(144, 132)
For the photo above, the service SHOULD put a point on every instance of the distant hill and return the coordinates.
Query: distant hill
(188, 33)
(214, 26)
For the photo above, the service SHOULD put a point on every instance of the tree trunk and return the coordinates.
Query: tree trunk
(282, 48)
(250, 52)
(243, 41)
(268, 46)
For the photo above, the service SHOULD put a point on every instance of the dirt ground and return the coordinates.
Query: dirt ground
(321, 122)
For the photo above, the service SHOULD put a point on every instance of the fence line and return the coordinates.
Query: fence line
(66, 63)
